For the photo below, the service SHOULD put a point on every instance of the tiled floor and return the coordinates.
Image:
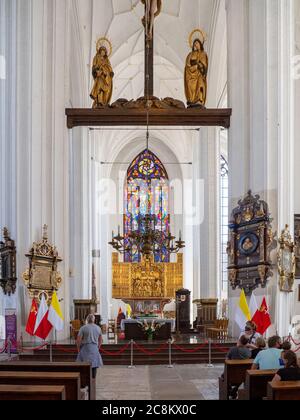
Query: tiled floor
(183, 382)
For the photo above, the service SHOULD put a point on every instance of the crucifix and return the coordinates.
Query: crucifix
(152, 10)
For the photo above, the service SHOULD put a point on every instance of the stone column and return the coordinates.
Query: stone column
(261, 137)
(208, 206)
(34, 143)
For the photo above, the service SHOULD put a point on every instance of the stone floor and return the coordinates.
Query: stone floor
(183, 382)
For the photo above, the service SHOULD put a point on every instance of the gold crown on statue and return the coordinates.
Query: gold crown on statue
(104, 43)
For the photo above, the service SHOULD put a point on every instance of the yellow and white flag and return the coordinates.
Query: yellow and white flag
(242, 313)
(55, 316)
(128, 311)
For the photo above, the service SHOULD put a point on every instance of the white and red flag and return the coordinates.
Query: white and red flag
(42, 325)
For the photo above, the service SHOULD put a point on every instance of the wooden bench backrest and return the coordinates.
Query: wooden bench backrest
(284, 391)
(235, 371)
(256, 383)
(71, 381)
(84, 369)
(31, 392)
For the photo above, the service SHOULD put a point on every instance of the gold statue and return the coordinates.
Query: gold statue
(103, 74)
(196, 70)
(153, 9)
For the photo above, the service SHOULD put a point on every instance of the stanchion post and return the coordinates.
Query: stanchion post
(170, 366)
(9, 348)
(209, 365)
(131, 355)
(51, 354)
(21, 344)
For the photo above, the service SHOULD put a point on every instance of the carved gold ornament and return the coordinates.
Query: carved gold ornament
(104, 42)
(286, 261)
(200, 35)
(147, 279)
(42, 277)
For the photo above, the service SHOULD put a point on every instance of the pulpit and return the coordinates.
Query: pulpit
(183, 305)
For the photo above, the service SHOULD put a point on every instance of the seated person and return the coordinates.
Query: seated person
(269, 359)
(240, 351)
(286, 345)
(291, 369)
(260, 345)
(251, 334)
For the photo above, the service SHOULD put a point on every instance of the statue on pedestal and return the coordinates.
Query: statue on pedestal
(103, 74)
(196, 69)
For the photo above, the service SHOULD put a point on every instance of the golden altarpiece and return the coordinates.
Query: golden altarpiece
(146, 286)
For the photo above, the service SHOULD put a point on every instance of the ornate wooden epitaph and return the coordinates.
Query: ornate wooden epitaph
(251, 241)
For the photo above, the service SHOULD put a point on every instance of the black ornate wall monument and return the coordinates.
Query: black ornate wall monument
(8, 276)
(183, 304)
(250, 244)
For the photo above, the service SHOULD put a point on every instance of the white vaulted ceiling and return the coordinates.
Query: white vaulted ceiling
(120, 22)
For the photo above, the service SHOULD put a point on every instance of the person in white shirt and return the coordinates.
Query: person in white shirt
(251, 334)
(269, 359)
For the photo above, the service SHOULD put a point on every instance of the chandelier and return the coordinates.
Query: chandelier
(147, 240)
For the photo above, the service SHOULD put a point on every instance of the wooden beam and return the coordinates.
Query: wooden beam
(196, 117)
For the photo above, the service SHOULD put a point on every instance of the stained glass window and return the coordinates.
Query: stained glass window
(147, 192)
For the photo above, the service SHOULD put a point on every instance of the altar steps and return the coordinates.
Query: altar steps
(200, 356)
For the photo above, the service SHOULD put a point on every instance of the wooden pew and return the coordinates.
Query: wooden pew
(280, 391)
(71, 381)
(234, 374)
(32, 392)
(256, 384)
(45, 357)
(84, 369)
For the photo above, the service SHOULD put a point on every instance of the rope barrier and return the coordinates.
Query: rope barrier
(65, 350)
(190, 350)
(149, 353)
(294, 342)
(22, 348)
(122, 350)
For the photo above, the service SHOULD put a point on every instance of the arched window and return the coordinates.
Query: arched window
(146, 192)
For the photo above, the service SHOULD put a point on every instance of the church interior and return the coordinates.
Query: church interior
(149, 212)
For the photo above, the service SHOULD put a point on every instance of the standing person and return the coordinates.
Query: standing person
(291, 370)
(89, 341)
(269, 359)
(251, 334)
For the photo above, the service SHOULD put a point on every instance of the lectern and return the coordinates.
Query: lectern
(183, 305)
